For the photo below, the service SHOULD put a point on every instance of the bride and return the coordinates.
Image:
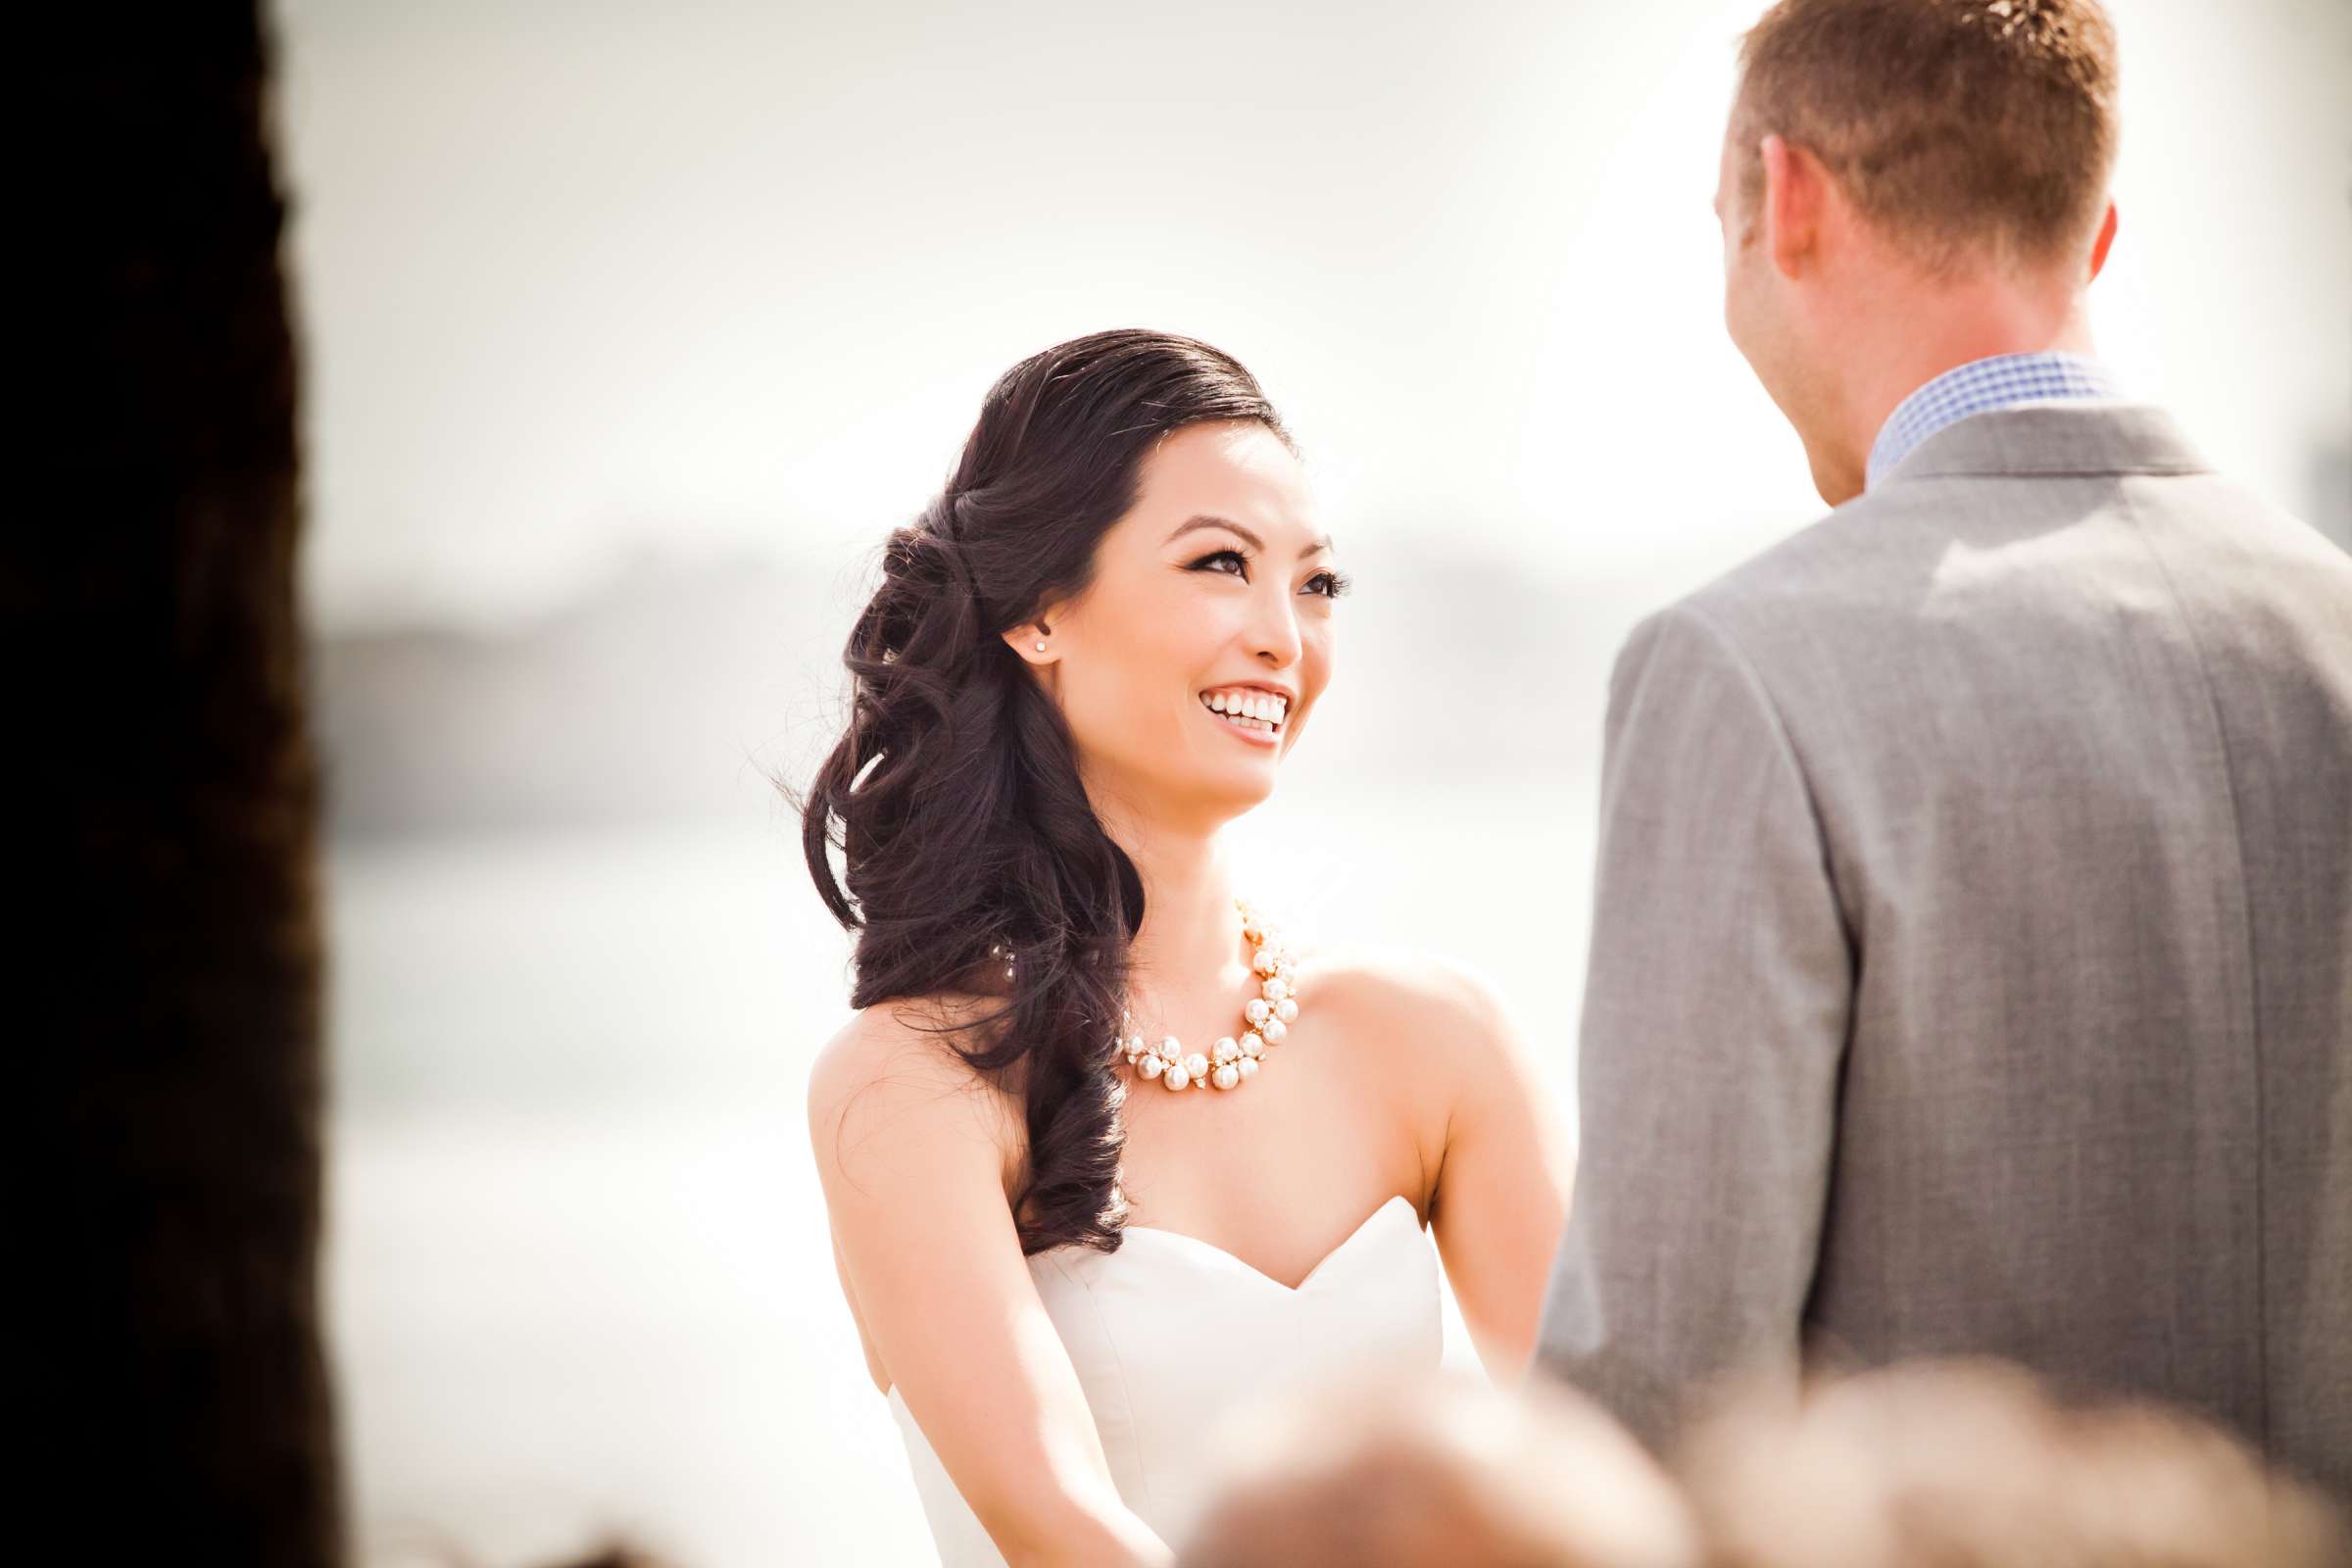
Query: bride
(1104, 1152)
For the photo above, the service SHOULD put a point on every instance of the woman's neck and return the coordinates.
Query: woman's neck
(1191, 935)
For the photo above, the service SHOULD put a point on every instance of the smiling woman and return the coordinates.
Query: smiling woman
(1258, 707)
(1091, 653)
(1035, 601)
(1226, 617)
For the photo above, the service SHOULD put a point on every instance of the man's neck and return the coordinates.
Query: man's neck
(1939, 332)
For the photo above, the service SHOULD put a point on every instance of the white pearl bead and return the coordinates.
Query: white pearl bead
(1288, 970)
(1198, 1065)
(1177, 1077)
(1258, 1009)
(1273, 1029)
(1249, 1066)
(1148, 1067)
(1252, 1045)
(1267, 962)
(1225, 1077)
(1275, 989)
(1171, 1049)
(1285, 1010)
(1224, 1050)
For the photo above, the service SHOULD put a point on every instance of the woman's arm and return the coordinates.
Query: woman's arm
(1501, 1200)
(912, 1149)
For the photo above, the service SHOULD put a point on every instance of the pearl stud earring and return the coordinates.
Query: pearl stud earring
(1041, 647)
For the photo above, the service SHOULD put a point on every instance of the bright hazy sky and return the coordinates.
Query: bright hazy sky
(583, 280)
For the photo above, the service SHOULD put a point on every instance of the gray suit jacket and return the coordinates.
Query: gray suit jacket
(1971, 951)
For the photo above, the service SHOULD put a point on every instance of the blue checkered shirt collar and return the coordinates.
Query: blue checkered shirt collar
(2003, 381)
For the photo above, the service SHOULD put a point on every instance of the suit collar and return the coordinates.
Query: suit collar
(2052, 440)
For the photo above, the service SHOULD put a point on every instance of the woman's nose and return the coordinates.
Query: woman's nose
(1276, 632)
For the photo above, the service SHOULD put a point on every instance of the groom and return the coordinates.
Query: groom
(1972, 955)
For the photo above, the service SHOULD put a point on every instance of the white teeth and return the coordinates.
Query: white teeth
(1255, 710)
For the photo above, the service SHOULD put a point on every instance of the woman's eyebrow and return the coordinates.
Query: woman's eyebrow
(1207, 521)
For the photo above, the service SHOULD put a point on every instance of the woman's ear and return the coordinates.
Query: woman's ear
(1033, 640)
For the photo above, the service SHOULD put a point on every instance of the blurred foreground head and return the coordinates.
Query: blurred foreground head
(1966, 1464)
(1447, 1471)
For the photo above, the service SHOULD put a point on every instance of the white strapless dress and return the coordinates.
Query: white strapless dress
(1370, 1309)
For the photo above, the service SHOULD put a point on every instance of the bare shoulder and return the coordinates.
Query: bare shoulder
(1422, 1013)
(1425, 989)
(889, 1086)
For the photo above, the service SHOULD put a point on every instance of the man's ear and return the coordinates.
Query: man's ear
(2105, 242)
(1795, 188)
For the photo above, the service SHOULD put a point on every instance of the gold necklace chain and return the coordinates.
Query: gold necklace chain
(1265, 1018)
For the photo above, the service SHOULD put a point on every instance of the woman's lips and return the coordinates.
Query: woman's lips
(1266, 738)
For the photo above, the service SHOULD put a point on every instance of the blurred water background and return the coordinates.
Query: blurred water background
(630, 329)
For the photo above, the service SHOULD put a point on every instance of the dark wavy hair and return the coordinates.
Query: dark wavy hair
(954, 797)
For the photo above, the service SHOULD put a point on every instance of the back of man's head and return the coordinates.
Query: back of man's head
(1966, 131)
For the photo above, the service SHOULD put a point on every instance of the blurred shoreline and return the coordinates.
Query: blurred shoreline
(672, 690)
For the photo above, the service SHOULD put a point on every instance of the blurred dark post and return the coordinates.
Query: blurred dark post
(175, 966)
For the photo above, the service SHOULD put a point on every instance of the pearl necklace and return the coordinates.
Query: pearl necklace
(1265, 1018)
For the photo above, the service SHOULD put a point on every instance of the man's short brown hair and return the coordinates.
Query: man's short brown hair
(1959, 127)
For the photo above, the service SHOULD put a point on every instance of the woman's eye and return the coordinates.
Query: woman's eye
(1329, 584)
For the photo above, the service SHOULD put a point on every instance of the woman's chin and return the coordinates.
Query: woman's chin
(1229, 775)
(1247, 787)
(1228, 791)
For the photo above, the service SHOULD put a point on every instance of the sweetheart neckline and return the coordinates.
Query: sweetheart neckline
(1363, 1225)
